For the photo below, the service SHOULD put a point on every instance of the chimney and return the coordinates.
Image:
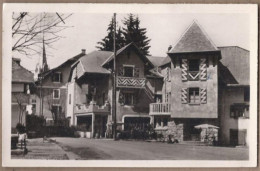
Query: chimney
(83, 51)
(17, 60)
(169, 48)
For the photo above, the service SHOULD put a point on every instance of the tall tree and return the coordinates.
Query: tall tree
(107, 43)
(134, 33)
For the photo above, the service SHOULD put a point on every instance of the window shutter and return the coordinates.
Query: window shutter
(136, 72)
(184, 69)
(203, 95)
(121, 71)
(184, 95)
(203, 69)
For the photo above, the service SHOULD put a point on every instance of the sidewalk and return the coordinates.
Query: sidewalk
(37, 149)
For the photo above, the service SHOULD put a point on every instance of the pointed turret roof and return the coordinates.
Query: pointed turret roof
(194, 39)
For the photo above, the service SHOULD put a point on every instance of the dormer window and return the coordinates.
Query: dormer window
(128, 71)
(57, 77)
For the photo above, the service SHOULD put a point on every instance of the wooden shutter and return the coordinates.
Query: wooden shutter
(136, 72)
(184, 95)
(203, 95)
(120, 71)
(184, 70)
(203, 69)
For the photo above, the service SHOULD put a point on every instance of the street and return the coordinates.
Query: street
(107, 149)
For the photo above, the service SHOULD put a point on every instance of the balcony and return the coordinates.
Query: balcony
(160, 109)
(130, 82)
(92, 108)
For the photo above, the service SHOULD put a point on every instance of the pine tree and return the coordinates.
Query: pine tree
(107, 43)
(133, 33)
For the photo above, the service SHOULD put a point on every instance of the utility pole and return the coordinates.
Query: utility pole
(114, 82)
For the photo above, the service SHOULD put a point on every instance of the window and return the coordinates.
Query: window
(129, 98)
(246, 94)
(194, 65)
(194, 95)
(239, 110)
(128, 71)
(56, 94)
(69, 98)
(158, 98)
(56, 77)
(194, 68)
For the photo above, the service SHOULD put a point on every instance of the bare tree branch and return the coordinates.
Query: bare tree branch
(29, 28)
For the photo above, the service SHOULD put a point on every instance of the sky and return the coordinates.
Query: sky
(226, 29)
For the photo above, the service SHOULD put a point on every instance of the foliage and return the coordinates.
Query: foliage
(107, 43)
(34, 122)
(131, 32)
(134, 33)
(20, 128)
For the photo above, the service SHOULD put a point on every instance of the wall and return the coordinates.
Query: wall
(70, 105)
(228, 97)
(208, 110)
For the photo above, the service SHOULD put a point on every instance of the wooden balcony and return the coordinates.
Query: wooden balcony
(130, 82)
(92, 108)
(160, 109)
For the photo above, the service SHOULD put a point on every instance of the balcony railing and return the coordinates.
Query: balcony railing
(130, 82)
(160, 109)
(92, 108)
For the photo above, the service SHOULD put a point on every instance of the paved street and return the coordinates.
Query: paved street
(37, 149)
(138, 150)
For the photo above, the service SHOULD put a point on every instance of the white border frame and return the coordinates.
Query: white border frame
(250, 9)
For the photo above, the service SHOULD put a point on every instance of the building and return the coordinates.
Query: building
(234, 95)
(90, 90)
(208, 85)
(197, 83)
(22, 83)
(51, 90)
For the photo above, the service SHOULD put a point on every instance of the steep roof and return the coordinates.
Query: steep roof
(70, 60)
(156, 61)
(166, 61)
(92, 62)
(236, 59)
(111, 57)
(20, 74)
(194, 39)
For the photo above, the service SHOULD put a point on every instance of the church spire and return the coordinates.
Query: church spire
(44, 59)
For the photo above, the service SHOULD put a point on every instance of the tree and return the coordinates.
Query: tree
(134, 33)
(22, 100)
(107, 43)
(28, 30)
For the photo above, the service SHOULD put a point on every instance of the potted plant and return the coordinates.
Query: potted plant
(81, 129)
